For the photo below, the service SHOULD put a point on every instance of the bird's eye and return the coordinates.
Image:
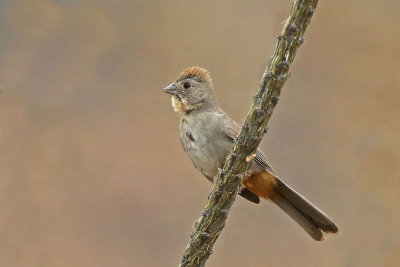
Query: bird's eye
(186, 85)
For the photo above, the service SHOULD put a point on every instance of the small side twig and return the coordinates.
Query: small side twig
(212, 221)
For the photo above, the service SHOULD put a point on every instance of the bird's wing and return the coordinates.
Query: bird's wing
(247, 194)
(232, 132)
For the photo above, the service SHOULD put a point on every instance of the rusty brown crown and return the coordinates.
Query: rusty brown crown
(195, 72)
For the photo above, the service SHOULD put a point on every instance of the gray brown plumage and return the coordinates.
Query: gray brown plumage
(207, 134)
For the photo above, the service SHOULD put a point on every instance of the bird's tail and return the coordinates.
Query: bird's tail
(308, 216)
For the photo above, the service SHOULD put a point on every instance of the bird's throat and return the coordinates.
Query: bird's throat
(180, 105)
(177, 104)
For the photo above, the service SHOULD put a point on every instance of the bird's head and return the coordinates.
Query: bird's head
(192, 90)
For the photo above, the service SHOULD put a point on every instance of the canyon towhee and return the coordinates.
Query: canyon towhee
(207, 135)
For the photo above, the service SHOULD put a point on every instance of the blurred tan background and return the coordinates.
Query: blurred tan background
(91, 169)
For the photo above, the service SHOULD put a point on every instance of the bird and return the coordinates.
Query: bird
(207, 135)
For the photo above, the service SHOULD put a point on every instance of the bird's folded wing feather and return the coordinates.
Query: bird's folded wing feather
(232, 132)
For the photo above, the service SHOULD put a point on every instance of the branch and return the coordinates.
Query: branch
(210, 224)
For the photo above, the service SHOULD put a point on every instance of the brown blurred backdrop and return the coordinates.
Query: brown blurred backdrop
(91, 169)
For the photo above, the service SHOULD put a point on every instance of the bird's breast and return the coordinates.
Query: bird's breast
(203, 141)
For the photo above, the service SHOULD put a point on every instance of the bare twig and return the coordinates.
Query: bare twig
(212, 221)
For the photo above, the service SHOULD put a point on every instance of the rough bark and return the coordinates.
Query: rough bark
(209, 226)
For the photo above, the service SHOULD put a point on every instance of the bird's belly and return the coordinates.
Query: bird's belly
(207, 164)
(206, 153)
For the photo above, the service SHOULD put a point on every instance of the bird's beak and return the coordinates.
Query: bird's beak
(171, 89)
